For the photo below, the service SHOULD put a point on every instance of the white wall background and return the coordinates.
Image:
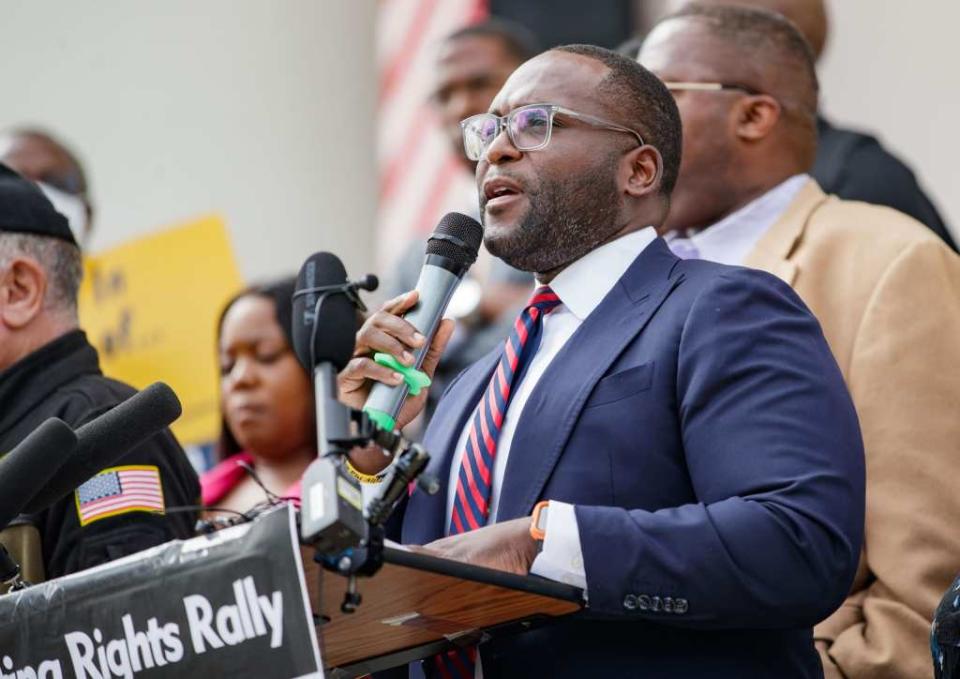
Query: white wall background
(260, 110)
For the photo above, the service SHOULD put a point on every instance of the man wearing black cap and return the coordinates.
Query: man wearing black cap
(48, 369)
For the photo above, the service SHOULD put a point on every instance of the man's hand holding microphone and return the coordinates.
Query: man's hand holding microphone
(387, 332)
(410, 329)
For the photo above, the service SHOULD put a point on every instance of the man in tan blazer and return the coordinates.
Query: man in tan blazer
(885, 289)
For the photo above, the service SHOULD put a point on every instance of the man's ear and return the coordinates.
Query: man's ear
(643, 171)
(23, 287)
(757, 115)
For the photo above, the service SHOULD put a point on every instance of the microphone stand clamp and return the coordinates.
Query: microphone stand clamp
(347, 539)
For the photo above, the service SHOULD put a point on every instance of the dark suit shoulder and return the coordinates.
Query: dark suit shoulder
(703, 277)
(718, 298)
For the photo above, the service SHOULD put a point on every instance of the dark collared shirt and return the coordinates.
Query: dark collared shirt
(63, 379)
(855, 166)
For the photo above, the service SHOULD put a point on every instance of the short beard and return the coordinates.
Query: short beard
(565, 220)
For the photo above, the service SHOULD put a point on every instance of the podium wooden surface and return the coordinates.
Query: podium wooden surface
(416, 601)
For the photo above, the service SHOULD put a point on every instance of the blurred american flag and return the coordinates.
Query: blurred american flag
(420, 178)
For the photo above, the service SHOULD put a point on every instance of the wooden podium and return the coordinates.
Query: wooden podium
(418, 605)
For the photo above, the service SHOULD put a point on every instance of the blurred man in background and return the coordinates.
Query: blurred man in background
(848, 163)
(745, 84)
(49, 369)
(42, 158)
(472, 65)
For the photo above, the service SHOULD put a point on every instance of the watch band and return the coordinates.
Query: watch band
(538, 521)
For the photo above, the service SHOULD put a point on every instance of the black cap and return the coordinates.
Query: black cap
(24, 209)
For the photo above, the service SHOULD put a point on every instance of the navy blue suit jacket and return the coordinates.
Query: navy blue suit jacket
(699, 423)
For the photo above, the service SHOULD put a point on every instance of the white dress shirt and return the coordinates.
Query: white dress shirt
(730, 240)
(581, 287)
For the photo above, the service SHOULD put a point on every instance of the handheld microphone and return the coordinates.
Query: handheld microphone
(103, 441)
(324, 335)
(26, 469)
(451, 249)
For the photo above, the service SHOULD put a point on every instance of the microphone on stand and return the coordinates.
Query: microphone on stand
(103, 441)
(23, 472)
(54, 460)
(26, 469)
(332, 517)
(324, 334)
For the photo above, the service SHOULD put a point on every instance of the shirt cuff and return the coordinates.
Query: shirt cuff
(561, 558)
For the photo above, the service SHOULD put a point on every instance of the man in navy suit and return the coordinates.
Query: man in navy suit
(685, 421)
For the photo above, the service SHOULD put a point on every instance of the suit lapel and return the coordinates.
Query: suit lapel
(425, 516)
(774, 250)
(549, 416)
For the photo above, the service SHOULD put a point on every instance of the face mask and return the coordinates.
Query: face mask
(70, 206)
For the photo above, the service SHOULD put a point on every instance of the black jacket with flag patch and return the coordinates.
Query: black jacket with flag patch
(120, 511)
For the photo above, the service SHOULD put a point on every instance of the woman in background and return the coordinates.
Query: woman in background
(268, 435)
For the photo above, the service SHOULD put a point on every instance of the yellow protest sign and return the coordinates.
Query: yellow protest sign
(150, 308)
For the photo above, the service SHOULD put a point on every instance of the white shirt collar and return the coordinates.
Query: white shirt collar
(584, 283)
(730, 240)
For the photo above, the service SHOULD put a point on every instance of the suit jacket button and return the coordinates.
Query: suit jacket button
(680, 606)
(644, 602)
(630, 602)
(657, 604)
(668, 604)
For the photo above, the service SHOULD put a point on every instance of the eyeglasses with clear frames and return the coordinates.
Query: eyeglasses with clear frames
(529, 128)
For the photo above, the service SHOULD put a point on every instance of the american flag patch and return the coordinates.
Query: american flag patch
(119, 490)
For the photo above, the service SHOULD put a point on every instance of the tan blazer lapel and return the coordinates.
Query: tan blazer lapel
(773, 251)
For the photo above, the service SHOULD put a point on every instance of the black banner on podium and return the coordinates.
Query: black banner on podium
(230, 604)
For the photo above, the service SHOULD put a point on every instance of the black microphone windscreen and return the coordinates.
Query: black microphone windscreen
(330, 334)
(369, 283)
(456, 237)
(26, 469)
(103, 441)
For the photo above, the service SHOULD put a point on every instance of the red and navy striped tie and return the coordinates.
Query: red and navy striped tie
(471, 505)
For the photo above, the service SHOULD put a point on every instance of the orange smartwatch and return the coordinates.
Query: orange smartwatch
(538, 522)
